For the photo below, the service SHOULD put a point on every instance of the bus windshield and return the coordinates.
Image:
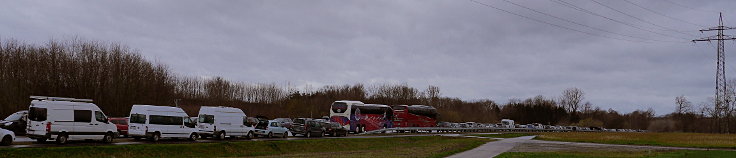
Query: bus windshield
(339, 107)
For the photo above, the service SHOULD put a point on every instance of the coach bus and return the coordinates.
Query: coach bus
(359, 117)
(414, 116)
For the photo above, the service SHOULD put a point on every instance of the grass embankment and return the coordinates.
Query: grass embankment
(697, 140)
(604, 154)
(429, 146)
(504, 135)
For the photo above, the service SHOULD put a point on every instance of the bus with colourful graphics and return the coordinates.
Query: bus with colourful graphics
(359, 117)
(414, 116)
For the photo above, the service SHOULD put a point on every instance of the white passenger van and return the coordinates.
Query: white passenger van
(156, 122)
(220, 122)
(64, 119)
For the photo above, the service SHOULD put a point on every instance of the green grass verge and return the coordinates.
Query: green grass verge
(504, 135)
(604, 154)
(697, 140)
(427, 146)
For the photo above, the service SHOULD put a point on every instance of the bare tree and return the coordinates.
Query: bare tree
(571, 99)
(683, 105)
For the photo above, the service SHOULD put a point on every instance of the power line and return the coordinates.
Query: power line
(688, 7)
(569, 5)
(642, 20)
(658, 13)
(548, 23)
(576, 23)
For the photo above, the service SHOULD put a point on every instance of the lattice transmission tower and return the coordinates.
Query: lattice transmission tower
(722, 98)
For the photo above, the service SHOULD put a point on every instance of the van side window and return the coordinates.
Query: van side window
(37, 114)
(82, 116)
(100, 117)
(137, 118)
(166, 120)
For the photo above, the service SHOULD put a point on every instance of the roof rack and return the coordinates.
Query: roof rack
(59, 99)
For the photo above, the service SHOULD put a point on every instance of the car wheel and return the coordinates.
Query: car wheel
(107, 138)
(7, 140)
(322, 134)
(250, 135)
(285, 135)
(62, 139)
(309, 134)
(193, 137)
(270, 134)
(221, 136)
(156, 137)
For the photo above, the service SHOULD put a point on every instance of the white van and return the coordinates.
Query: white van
(64, 119)
(156, 122)
(220, 122)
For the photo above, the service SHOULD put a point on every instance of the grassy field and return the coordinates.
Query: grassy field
(426, 146)
(603, 154)
(504, 135)
(698, 140)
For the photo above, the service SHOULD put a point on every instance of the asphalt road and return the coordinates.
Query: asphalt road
(25, 142)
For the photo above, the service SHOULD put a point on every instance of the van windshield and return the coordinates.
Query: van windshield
(37, 114)
(14, 117)
(203, 118)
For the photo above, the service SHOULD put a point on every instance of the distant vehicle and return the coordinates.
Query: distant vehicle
(285, 122)
(414, 116)
(507, 123)
(122, 124)
(359, 117)
(335, 129)
(157, 122)
(16, 122)
(64, 119)
(6, 137)
(309, 129)
(440, 124)
(271, 128)
(220, 122)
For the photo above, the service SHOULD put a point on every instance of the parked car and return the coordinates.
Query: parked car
(220, 122)
(122, 124)
(298, 123)
(310, 128)
(271, 128)
(335, 129)
(6, 137)
(156, 122)
(64, 119)
(16, 122)
(285, 122)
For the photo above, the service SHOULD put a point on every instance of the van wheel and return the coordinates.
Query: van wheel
(41, 140)
(7, 140)
(250, 135)
(221, 136)
(193, 137)
(270, 134)
(156, 137)
(107, 138)
(62, 139)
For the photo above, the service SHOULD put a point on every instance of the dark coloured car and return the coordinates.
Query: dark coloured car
(309, 129)
(122, 124)
(16, 122)
(335, 129)
(284, 122)
(298, 123)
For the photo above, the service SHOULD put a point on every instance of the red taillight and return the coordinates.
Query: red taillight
(48, 127)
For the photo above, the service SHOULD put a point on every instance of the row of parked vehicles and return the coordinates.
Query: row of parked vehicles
(508, 123)
(64, 119)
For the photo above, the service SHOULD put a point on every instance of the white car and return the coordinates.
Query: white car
(7, 137)
(271, 128)
(64, 119)
(221, 122)
(156, 122)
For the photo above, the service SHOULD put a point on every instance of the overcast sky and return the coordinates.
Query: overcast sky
(471, 51)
